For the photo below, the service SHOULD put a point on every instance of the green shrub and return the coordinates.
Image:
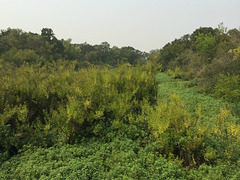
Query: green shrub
(56, 103)
(228, 88)
(197, 129)
(176, 73)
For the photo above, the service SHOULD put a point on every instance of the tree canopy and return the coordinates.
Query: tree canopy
(48, 48)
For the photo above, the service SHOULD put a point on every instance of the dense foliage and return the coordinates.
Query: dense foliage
(206, 56)
(117, 128)
(17, 47)
(85, 119)
(37, 101)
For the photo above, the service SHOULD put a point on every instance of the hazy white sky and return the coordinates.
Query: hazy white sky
(142, 24)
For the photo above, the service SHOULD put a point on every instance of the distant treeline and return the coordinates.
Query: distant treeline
(17, 47)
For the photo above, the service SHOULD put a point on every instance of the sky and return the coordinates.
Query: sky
(143, 24)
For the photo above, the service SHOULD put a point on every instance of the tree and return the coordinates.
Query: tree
(206, 44)
(105, 46)
(71, 52)
(18, 57)
(202, 30)
(48, 34)
(57, 48)
(234, 36)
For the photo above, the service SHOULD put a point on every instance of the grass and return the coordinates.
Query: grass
(189, 95)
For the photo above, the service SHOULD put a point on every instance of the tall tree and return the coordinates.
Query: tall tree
(48, 34)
